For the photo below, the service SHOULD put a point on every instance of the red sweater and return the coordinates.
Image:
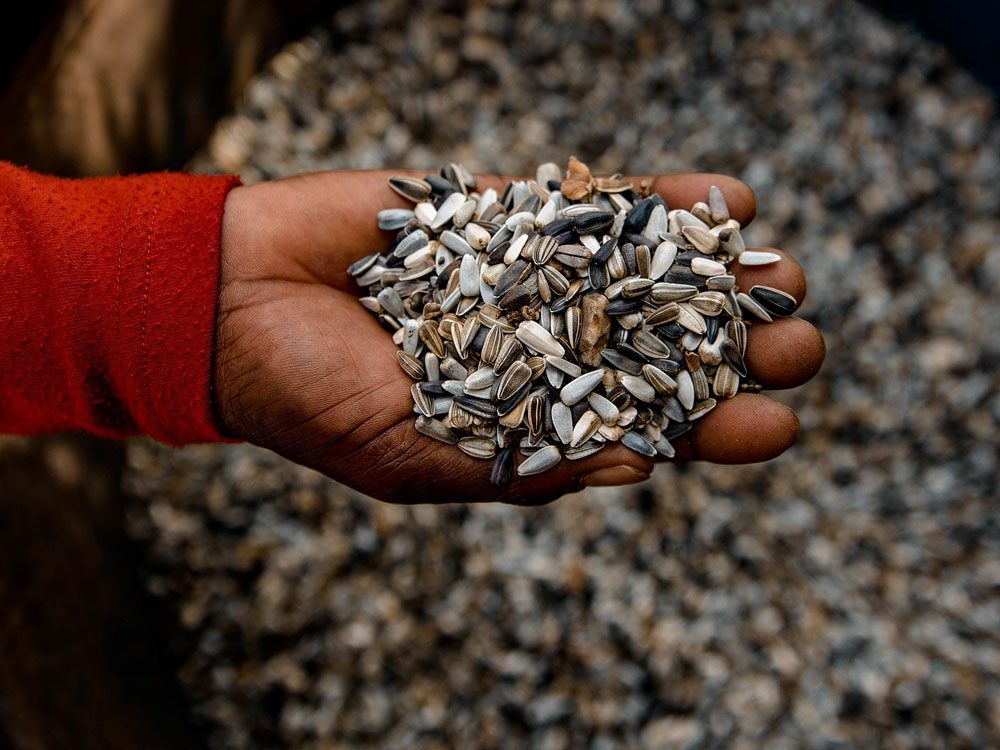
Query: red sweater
(108, 294)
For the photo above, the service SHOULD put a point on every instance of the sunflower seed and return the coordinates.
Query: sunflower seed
(477, 447)
(775, 301)
(685, 389)
(411, 188)
(726, 382)
(435, 428)
(701, 408)
(707, 267)
(562, 422)
(638, 443)
(638, 388)
(538, 339)
(752, 306)
(702, 239)
(510, 351)
(502, 472)
(604, 408)
(758, 258)
(469, 276)
(661, 382)
(585, 428)
(539, 461)
(579, 387)
(717, 205)
(516, 376)
(484, 377)
(411, 365)
(394, 218)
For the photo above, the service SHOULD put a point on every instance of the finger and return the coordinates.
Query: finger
(785, 353)
(785, 274)
(418, 469)
(683, 190)
(745, 429)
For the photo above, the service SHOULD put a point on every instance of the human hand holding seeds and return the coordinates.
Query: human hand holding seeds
(303, 369)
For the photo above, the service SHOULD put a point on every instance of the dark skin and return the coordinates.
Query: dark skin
(301, 368)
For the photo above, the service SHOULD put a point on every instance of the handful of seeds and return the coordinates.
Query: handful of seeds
(563, 314)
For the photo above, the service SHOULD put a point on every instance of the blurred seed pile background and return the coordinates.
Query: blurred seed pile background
(845, 595)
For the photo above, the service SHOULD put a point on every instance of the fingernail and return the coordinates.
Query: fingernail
(614, 476)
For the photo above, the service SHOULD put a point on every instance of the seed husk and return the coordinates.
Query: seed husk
(539, 461)
(435, 428)
(638, 443)
(411, 188)
(477, 447)
(717, 205)
(752, 306)
(578, 388)
(775, 301)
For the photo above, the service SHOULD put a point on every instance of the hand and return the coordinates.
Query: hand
(303, 369)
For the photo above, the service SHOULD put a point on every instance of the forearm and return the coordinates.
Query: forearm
(108, 304)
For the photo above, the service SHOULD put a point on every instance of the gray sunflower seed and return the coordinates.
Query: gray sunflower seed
(690, 319)
(604, 408)
(391, 302)
(708, 303)
(484, 377)
(448, 209)
(664, 314)
(536, 338)
(720, 283)
(668, 292)
(583, 451)
(752, 306)
(358, 267)
(579, 387)
(732, 244)
(539, 461)
(394, 218)
(638, 443)
(638, 388)
(434, 428)
(717, 205)
(700, 382)
(423, 402)
(650, 345)
(758, 258)
(562, 422)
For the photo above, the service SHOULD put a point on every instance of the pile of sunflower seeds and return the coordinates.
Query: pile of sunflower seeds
(563, 314)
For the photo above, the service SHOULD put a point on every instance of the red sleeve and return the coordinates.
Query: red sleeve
(108, 294)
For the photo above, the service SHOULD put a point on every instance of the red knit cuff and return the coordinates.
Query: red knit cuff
(110, 288)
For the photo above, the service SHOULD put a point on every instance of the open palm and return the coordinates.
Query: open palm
(301, 368)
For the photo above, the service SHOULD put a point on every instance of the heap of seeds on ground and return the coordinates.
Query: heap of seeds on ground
(563, 313)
